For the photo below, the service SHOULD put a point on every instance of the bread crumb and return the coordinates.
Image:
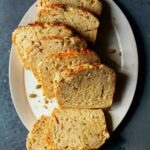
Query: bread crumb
(45, 106)
(38, 86)
(46, 100)
(32, 95)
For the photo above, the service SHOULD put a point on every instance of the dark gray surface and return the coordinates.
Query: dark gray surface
(133, 133)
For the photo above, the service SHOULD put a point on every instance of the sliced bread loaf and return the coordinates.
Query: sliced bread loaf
(57, 62)
(80, 20)
(85, 86)
(43, 48)
(69, 129)
(25, 36)
(95, 6)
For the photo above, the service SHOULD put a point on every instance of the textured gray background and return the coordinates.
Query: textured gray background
(133, 133)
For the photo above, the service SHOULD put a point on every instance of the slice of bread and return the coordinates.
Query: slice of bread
(85, 86)
(95, 6)
(43, 48)
(57, 62)
(83, 22)
(25, 36)
(69, 129)
(77, 129)
(36, 139)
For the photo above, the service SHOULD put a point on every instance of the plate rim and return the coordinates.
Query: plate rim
(132, 35)
(24, 121)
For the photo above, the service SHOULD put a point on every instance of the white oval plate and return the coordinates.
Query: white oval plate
(121, 38)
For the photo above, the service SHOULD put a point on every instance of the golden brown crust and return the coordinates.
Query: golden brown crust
(83, 67)
(26, 66)
(49, 142)
(57, 98)
(13, 39)
(72, 53)
(41, 2)
(34, 24)
(43, 25)
(88, 66)
(55, 6)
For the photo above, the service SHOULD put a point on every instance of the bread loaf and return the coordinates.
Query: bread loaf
(83, 22)
(57, 62)
(85, 86)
